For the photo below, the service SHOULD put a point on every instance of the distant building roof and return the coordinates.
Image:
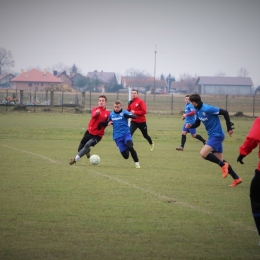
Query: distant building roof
(102, 76)
(237, 81)
(35, 75)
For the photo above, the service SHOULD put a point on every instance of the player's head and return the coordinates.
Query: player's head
(134, 93)
(102, 101)
(117, 106)
(195, 99)
(187, 99)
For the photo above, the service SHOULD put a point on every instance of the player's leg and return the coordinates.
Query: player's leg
(122, 147)
(194, 134)
(212, 152)
(130, 148)
(133, 127)
(183, 138)
(85, 149)
(84, 140)
(236, 179)
(144, 131)
(255, 199)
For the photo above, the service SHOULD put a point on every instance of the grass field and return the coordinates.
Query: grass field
(177, 206)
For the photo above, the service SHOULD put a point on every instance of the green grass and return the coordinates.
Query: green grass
(177, 206)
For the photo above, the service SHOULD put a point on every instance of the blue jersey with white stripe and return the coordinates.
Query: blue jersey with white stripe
(187, 109)
(120, 123)
(209, 117)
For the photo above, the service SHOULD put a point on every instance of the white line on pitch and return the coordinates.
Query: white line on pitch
(35, 154)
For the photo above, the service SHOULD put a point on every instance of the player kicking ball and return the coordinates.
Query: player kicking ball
(121, 131)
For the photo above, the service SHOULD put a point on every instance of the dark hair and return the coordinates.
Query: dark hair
(103, 96)
(187, 95)
(135, 90)
(195, 98)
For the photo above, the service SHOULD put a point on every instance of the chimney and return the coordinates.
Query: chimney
(22, 71)
(44, 73)
(55, 72)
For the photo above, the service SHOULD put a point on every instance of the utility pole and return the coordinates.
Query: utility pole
(154, 72)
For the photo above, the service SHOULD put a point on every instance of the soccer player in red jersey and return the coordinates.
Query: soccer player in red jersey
(93, 135)
(251, 142)
(137, 107)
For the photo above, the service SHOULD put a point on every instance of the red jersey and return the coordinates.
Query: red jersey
(96, 119)
(252, 140)
(139, 106)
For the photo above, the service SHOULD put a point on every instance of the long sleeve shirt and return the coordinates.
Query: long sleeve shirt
(252, 141)
(139, 108)
(96, 119)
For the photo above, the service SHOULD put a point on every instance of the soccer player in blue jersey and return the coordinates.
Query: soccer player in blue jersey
(189, 117)
(213, 149)
(121, 131)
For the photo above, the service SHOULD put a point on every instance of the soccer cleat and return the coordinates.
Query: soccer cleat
(72, 161)
(225, 170)
(88, 155)
(235, 182)
(137, 165)
(180, 148)
(152, 147)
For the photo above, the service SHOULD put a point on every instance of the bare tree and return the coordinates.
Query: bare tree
(242, 72)
(220, 74)
(137, 73)
(6, 59)
(60, 67)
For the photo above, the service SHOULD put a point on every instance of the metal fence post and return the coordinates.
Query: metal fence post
(52, 98)
(172, 105)
(254, 106)
(226, 101)
(62, 93)
(90, 102)
(83, 99)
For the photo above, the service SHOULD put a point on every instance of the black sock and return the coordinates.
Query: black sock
(199, 137)
(212, 158)
(183, 140)
(231, 171)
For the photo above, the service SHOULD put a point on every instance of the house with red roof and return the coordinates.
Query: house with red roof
(35, 80)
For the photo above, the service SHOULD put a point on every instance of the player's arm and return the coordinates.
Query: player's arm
(95, 112)
(227, 118)
(191, 113)
(104, 123)
(194, 125)
(130, 115)
(129, 105)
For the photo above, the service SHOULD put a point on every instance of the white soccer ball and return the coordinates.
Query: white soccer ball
(94, 159)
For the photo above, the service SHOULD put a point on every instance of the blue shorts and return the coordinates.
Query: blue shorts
(121, 142)
(216, 143)
(192, 131)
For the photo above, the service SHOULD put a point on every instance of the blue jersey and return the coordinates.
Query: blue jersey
(209, 117)
(187, 109)
(120, 123)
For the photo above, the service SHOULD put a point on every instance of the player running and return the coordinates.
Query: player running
(213, 149)
(189, 117)
(93, 135)
(121, 132)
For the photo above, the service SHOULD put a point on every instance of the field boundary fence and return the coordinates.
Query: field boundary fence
(165, 104)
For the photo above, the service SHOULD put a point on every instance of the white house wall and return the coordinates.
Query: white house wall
(225, 90)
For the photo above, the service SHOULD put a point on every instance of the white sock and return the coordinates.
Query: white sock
(77, 158)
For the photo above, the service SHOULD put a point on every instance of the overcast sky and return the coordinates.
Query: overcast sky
(195, 37)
